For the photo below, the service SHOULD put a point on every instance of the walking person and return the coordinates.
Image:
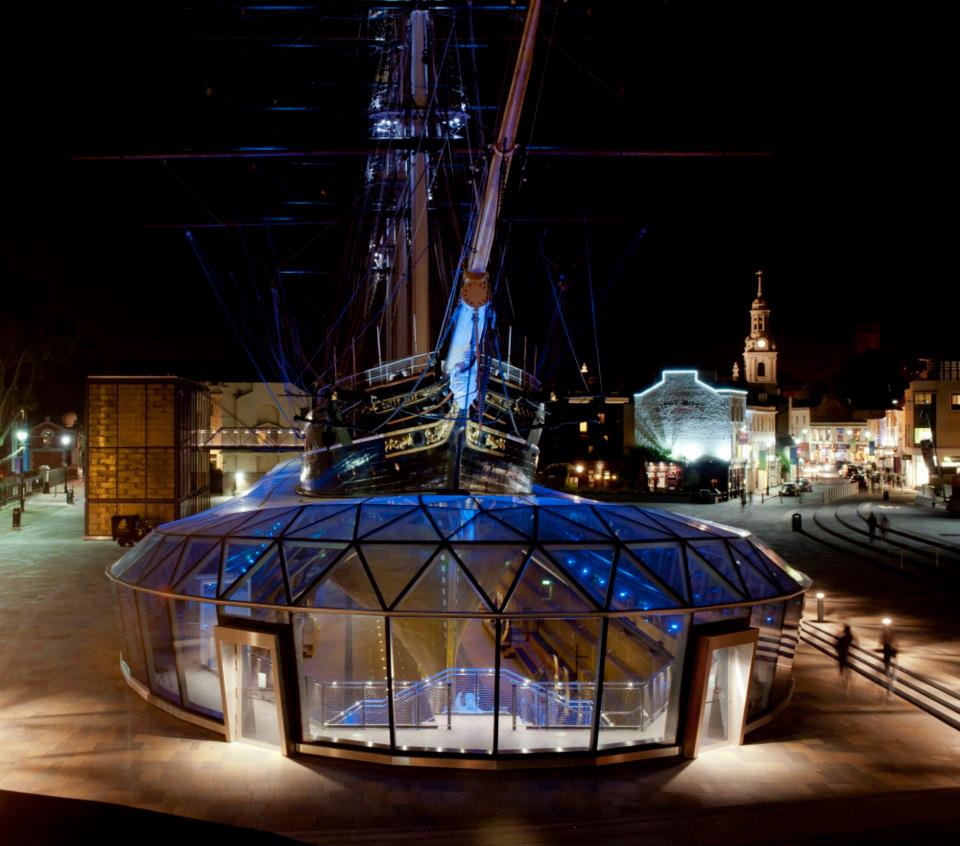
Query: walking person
(844, 642)
(872, 525)
(883, 526)
(889, 651)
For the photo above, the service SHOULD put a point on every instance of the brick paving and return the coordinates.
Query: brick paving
(831, 769)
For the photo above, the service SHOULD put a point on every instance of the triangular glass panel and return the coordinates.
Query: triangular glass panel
(195, 551)
(443, 587)
(219, 525)
(787, 576)
(758, 581)
(373, 517)
(541, 587)
(628, 512)
(483, 527)
(202, 579)
(337, 526)
(764, 565)
(133, 564)
(629, 530)
(238, 559)
(502, 501)
(494, 567)
(305, 563)
(716, 555)
(520, 519)
(458, 503)
(345, 586)
(634, 588)
(582, 515)
(269, 523)
(164, 567)
(450, 519)
(394, 565)
(590, 566)
(315, 513)
(416, 526)
(708, 588)
(394, 499)
(554, 528)
(678, 524)
(264, 583)
(665, 561)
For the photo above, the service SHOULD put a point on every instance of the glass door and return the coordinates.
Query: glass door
(718, 691)
(253, 701)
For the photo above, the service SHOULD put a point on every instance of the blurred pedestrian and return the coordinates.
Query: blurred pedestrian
(872, 525)
(888, 649)
(883, 526)
(844, 642)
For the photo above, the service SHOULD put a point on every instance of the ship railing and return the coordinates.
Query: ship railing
(434, 701)
(413, 365)
(511, 374)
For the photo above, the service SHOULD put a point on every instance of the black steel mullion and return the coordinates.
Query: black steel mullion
(516, 581)
(595, 728)
(282, 556)
(325, 571)
(257, 565)
(416, 578)
(723, 579)
(470, 577)
(498, 634)
(574, 583)
(370, 578)
(388, 646)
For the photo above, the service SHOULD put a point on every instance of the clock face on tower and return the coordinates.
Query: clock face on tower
(761, 344)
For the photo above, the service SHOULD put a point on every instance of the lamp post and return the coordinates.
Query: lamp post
(65, 442)
(22, 435)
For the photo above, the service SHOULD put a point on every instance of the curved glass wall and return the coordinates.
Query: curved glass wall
(455, 623)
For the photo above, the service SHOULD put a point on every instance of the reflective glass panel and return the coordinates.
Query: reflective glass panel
(449, 519)
(238, 559)
(716, 555)
(759, 581)
(554, 528)
(342, 666)
(541, 587)
(135, 561)
(258, 696)
(721, 723)
(263, 584)
(345, 586)
(324, 522)
(132, 644)
(664, 561)
(590, 566)
(373, 517)
(443, 684)
(484, 527)
(158, 645)
(582, 515)
(163, 568)
(268, 523)
(708, 588)
(196, 652)
(305, 562)
(641, 680)
(628, 530)
(416, 526)
(394, 566)
(202, 579)
(548, 685)
(443, 586)
(494, 567)
(636, 589)
(520, 519)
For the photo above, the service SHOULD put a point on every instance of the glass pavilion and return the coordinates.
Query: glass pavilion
(468, 628)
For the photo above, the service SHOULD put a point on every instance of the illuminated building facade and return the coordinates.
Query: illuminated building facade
(931, 428)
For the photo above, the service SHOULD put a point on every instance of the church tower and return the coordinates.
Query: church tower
(759, 351)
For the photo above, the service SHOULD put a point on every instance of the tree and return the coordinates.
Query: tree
(19, 368)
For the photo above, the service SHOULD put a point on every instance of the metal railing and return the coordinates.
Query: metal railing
(249, 437)
(434, 701)
(842, 490)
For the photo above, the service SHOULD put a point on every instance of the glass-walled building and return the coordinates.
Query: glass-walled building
(458, 627)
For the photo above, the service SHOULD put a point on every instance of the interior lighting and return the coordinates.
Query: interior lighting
(886, 621)
(22, 435)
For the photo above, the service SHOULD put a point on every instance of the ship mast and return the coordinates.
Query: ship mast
(471, 314)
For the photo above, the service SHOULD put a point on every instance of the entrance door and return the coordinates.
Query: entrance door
(253, 701)
(717, 708)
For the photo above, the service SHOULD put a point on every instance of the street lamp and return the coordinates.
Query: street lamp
(65, 442)
(22, 435)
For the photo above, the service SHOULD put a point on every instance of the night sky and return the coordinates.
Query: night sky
(849, 211)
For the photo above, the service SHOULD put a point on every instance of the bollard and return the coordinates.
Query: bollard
(820, 607)
(17, 513)
(797, 522)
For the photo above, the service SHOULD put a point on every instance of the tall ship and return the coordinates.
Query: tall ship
(442, 409)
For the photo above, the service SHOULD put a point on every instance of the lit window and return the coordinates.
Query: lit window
(955, 402)
(602, 417)
(583, 425)
(922, 434)
(923, 398)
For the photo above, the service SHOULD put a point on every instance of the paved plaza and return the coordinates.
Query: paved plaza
(832, 769)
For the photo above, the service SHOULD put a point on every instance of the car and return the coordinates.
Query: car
(788, 489)
(804, 485)
(710, 495)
